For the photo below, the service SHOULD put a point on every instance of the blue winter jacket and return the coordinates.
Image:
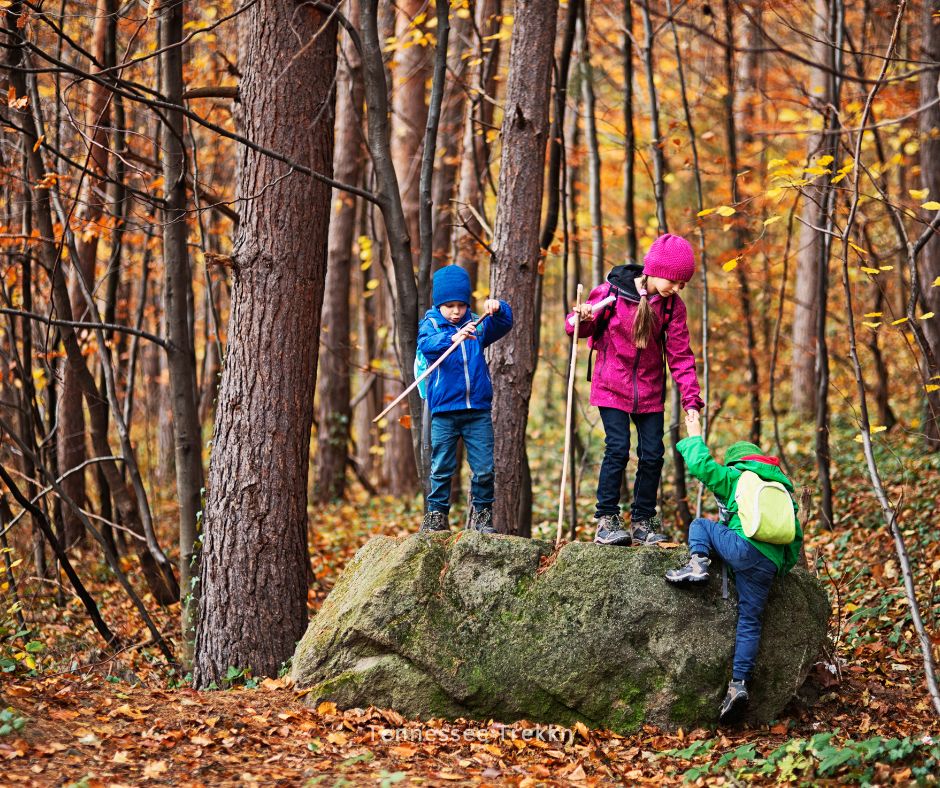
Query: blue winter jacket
(462, 382)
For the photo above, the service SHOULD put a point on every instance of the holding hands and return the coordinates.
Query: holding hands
(693, 423)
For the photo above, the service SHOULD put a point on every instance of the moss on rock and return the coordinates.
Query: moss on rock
(467, 625)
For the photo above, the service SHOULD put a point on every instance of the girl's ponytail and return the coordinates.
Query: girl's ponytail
(643, 320)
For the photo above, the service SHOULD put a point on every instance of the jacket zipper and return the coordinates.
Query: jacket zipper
(636, 388)
(466, 372)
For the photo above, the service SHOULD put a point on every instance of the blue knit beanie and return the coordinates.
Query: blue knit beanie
(451, 283)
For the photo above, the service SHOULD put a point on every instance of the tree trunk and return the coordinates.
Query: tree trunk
(629, 143)
(409, 113)
(335, 415)
(930, 179)
(593, 152)
(515, 267)
(254, 562)
(449, 154)
(475, 159)
(803, 397)
(71, 416)
(178, 303)
(740, 241)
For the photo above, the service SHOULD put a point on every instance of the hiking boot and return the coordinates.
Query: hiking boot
(482, 520)
(434, 521)
(696, 571)
(644, 531)
(734, 704)
(611, 529)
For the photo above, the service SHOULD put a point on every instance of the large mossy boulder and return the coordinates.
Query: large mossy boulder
(496, 627)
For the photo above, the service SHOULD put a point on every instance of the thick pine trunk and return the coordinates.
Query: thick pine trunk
(254, 562)
(334, 414)
(515, 268)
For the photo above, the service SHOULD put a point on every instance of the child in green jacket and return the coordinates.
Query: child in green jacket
(755, 563)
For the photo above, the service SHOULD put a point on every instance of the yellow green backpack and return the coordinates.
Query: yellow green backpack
(765, 509)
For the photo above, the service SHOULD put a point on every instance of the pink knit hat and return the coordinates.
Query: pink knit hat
(670, 257)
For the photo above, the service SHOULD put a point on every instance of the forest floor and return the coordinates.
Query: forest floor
(72, 716)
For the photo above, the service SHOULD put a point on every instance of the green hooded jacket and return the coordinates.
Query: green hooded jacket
(722, 480)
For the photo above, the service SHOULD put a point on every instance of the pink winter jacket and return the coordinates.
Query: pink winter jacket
(634, 380)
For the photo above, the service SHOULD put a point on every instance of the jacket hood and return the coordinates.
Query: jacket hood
(624, 277)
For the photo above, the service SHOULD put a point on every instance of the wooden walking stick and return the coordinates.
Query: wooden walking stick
(426, 372)
(568, 414)
(576, 322)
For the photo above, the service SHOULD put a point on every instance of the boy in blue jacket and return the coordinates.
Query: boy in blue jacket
(460, 394)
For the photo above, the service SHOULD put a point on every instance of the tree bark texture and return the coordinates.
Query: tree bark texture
(593, 151)
(334, 415)
(88, 211)
(178, 306)
(629, 143)
(803, 397)
(449, 152)
(475, 159)
(254, 562)
(399, 212)
(515, 267)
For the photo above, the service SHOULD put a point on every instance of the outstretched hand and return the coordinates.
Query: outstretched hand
(693, 423)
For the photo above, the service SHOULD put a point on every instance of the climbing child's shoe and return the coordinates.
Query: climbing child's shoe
(696, 571)
(644, 531)
(434, 521)
(482, 520)
(611, 529)
(734, 704)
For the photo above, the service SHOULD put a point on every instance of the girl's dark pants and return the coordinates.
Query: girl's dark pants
(650, 453)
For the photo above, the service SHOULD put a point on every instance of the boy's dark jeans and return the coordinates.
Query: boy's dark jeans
(753, 575)
(476, 429)
(650, 451)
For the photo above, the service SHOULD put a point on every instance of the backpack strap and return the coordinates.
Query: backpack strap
(600, 326)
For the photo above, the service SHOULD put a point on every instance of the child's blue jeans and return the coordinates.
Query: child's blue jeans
(476, 429)
(753, 575)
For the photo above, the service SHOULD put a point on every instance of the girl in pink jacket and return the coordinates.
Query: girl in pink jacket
(634, 338)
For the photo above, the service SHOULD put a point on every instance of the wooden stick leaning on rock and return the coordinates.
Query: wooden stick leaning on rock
(572, 370)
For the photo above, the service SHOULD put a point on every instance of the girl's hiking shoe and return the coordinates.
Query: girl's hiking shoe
(696, 571)
(611, 529)
(644, 532)
(482, 520)
(434, 521)
(734, 704)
